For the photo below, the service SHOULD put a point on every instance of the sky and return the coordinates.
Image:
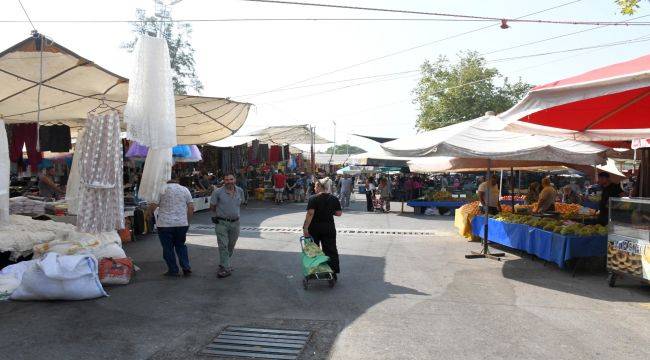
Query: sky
(236, 59)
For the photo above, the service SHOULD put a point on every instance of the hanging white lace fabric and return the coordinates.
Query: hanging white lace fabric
(4, 175)
(150, 112)
(74, 182)
(157, 171)
(101, 192)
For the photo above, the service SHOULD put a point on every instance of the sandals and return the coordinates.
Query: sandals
(223, 272)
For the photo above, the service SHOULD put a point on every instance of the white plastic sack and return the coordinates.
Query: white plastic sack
(60, 277)
(17, 270)
(11, 276)
(8, 283)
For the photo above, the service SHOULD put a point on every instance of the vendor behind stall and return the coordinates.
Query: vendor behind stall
(570, 196)
(492, 204)
(547, 197)
(47, 188)
(610, 189)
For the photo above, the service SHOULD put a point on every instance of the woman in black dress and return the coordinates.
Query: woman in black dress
(319, 222)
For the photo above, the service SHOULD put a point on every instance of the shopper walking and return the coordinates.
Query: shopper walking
(346, 190)
(384, 194)
(175, 209)
(319, 223)
(226, 203)
(370, 192)
(279, 183)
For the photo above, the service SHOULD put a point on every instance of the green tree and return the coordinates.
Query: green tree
(345, 149)
(450, 93)
(181, 52)
(628, 7)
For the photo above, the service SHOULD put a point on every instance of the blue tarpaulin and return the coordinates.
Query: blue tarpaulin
(546, 245)
(445, 204)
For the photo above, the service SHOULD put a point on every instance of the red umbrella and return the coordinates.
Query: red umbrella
(609, 103)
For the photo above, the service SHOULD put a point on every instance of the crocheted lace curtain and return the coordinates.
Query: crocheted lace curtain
(101, 192)
(150, 112)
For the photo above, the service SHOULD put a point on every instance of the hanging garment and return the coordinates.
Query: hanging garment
(255, 145)
(210, 156)
(137, 150)
(157, 171)
(4, 175)
(275, 154)
(101, 194)
(54, 138)
(264, 153)
(150, 112)
(286, 153)
(25, 135)
(226, 163)
(181, 151)
(74, 181)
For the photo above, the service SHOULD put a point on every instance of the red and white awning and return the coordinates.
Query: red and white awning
(605, 104)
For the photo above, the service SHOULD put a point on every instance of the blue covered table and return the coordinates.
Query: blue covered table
(420, 205)
(546, 245)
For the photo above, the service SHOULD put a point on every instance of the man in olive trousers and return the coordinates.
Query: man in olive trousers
(226, 203)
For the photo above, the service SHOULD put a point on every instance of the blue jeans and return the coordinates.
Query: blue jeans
(173, 239)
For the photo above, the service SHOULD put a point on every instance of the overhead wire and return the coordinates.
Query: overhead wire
(416, 47)
(553, 38)
(382, 77)
(301, 19)
(450, 15)
(27, 15)
(518, 71)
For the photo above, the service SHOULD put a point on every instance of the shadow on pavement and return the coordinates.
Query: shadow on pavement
(588, 284)
(173, 318)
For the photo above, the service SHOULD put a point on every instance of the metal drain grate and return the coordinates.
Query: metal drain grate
(347, 231)
(257, 343)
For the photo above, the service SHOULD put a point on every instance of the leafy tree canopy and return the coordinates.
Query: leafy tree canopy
(450, 93)
(628, 7)
(345, 149)
(181, 52)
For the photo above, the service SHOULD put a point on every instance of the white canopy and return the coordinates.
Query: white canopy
(439, 164)
(293, 134)
(378, 158)
(485, 138)
(71, 86)
(233, 141)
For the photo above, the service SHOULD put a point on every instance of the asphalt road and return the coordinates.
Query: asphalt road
(399, 297)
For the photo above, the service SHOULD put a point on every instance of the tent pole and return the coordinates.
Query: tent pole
(501, 184)
(485, 253)
(512, 189)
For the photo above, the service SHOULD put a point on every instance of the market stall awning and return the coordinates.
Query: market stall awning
(378, 158)
(609, 103)
(233, 141)
(329, 159)
(442, 164)
(71, 86)
(291, 134)
(485, 138)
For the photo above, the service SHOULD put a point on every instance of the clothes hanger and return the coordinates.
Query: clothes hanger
(103, 105)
